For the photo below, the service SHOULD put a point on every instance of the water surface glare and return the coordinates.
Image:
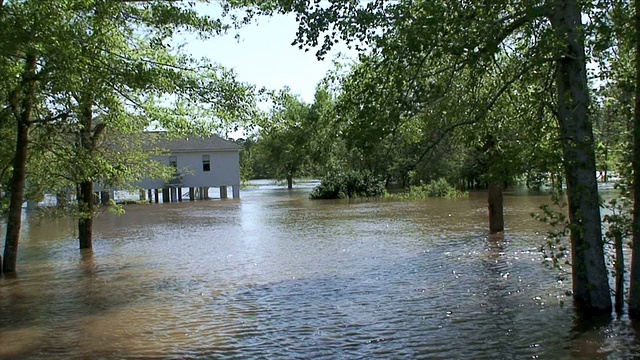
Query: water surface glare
(277, 276)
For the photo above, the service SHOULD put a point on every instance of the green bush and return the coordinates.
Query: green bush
(349, 184)
(436, 188)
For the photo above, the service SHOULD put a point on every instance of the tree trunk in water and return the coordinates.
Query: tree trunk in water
(496, 209)
(589, 275)
(619, 267)
(21, 102)
(86, 198)
(634, 281)
(14, 217)
(86, 202)
(605, 177)
(289, 181)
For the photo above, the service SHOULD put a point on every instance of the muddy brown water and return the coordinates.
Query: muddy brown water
(277, 276)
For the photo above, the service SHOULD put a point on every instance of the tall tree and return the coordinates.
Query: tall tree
(284, 137)
(22, 45)
(634, 291)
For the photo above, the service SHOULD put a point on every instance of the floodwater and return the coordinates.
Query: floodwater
(277, 276)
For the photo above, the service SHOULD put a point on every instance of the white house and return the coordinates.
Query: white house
(200, 163)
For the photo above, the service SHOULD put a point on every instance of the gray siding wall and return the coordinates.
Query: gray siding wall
(225, 169)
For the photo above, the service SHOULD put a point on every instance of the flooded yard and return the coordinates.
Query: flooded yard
(275, 275)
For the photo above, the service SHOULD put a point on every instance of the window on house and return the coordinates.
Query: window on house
(206, 163)
(173, 161)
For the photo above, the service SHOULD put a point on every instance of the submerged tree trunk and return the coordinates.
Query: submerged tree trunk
(589, 274)
(88, 138)
(86, 203)
(634, 281)
(619, 268)
(496, 208)
(21, 103)
(289, 180)
(14, 217)
(605, 170)
(494, 185)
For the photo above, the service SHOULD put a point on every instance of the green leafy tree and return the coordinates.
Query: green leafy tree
(27, 46)
(325, 147)
(284, 137)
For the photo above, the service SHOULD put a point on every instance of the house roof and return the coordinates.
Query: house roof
(196, 144)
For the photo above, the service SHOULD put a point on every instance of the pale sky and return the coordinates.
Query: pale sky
(265, 57)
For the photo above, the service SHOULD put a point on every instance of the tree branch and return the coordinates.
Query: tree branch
(479, 116)
(49, 119)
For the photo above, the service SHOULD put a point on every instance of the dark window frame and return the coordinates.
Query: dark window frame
(206, 163)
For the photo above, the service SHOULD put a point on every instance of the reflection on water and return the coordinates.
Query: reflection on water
(275, 275)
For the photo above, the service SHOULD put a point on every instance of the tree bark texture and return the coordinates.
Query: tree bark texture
(86, 203)
(14, 216)
(21, 103)
(86, 198)
(589, 274)
(289, 181)
(619, 267)
(634, 281)
(496, 208)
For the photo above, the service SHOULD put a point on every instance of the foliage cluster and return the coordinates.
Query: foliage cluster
(435, 188)
(555, 248)
(293, 139)
(349, 184)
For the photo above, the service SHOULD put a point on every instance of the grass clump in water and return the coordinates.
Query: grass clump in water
(436, 188)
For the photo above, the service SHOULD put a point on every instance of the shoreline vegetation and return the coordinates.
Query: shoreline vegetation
(364, 185)
(435, 188)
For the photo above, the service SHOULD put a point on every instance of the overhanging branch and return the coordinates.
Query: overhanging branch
(479, 116)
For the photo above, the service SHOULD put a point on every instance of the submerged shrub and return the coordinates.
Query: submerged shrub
(348, 184)
(436, 188)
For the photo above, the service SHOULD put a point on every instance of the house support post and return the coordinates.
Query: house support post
(104, 197)
(192, 194)
(31, 205)
(236, 191)
(155, 195)
(179, 193)
(223, 192)
(166, 197)
(61, 200)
